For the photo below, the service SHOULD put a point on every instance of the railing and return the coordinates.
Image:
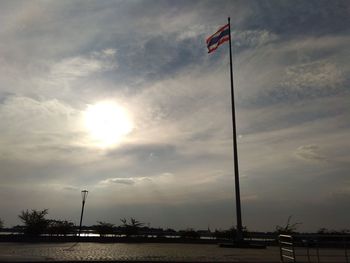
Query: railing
(286, 245)
(314, 248)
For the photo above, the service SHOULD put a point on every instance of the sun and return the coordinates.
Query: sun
(107, 122)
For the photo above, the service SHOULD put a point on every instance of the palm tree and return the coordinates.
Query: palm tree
(132, 228)
(289, 228)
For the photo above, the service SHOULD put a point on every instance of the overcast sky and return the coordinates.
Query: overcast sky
(175, 169)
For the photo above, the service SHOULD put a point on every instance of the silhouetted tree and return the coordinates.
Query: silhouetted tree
(323, 231)
(1, 223)
(34, 221)
(170, 230)
(230, 233)
(326, 231)
(289, 228)
(104, 228)
(18, 229)
(345, 231)
(132, 228)
(189, 233)
(60, 227)
(226, 234)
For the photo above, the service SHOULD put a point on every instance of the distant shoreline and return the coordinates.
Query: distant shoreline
(55, 239)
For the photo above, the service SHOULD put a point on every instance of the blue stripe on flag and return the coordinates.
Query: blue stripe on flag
(216, 39)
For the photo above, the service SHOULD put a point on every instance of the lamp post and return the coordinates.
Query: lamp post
(84, 194)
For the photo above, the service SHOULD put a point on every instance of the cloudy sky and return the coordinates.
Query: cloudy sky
(166, 157)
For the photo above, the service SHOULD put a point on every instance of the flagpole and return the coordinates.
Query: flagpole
(235, 153)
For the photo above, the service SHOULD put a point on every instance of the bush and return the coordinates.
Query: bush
(34, 221)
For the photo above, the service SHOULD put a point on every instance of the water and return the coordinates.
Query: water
(142, 252)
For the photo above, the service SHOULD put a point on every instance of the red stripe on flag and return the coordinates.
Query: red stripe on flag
(220, 30)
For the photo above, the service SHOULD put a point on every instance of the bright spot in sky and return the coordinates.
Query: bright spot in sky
(107, 123)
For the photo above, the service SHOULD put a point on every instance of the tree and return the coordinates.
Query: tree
(132, 228)
(60, 227)
(289, 228)
(1, 223)
(34, 221)
(103, 228)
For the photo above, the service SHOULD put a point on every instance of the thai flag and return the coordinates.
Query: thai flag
(221, 36)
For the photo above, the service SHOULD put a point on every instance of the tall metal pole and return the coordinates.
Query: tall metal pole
(84, 196)
(235, 153)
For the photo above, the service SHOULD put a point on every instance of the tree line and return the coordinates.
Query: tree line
(35, 223)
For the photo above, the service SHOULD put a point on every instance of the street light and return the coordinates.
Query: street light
(84, 194)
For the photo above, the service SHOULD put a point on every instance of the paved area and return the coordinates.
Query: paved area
(147, 252)
(133, 252)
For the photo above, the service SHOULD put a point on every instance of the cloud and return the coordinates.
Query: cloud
(32, 127)
(317, 74)
(289, 71)
(24, 113)
(153, 179)
(126, 181)
(252, 38)
(71, 188)
(73, 68)
(292, 19)
(309, 152)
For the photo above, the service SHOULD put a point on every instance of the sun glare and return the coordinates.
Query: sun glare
(107, 123)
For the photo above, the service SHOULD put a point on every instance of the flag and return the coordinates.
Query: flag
(221, 36)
